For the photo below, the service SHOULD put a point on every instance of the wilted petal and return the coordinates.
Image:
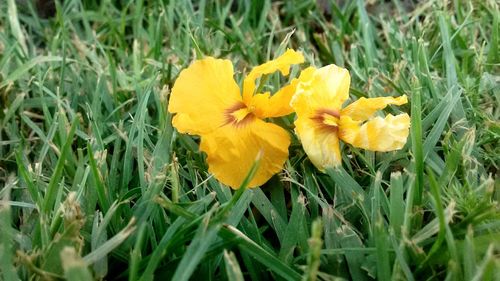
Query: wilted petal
(323, 88)
(364, 108)
(320, 142)
(378, 134)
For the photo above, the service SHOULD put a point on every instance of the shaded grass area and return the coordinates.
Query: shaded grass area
(95, 183)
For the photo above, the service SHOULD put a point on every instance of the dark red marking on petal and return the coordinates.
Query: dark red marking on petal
(319, 119)
(230, 119)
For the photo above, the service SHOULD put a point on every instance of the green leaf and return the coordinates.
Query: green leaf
(52, 191)
(268, 259)
(23, 69)
(313, 259)
(111, 244)
(233, 270)
(355, 259)
(7, 269)
(203, 239)
(74, 267)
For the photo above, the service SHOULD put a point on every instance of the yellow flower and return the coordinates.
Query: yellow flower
(207, 102)
(321, 121)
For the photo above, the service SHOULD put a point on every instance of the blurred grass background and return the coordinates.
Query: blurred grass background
(96, 184)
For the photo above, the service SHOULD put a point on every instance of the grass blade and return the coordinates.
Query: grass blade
(23, 69)
(110, 245)
(204, 237)
(313, 259)
(233, 270)
(260, 254)
(7, 269)
(74, 267)
(52, 191)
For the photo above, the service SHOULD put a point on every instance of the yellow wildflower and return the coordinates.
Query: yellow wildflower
(321, 121)
(207, 102)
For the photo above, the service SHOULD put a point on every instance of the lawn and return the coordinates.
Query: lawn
(96, 183)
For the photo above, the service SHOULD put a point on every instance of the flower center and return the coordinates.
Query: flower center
(238, 114)
(327, 119)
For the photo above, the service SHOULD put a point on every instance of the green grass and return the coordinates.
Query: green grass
(96, 184)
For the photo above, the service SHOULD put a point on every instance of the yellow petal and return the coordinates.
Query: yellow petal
(320, 143)
(364, 108)
(282, 63)
(267, 106)
(232, 150)
(378, 134)
(201, 95)
(325, 88)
